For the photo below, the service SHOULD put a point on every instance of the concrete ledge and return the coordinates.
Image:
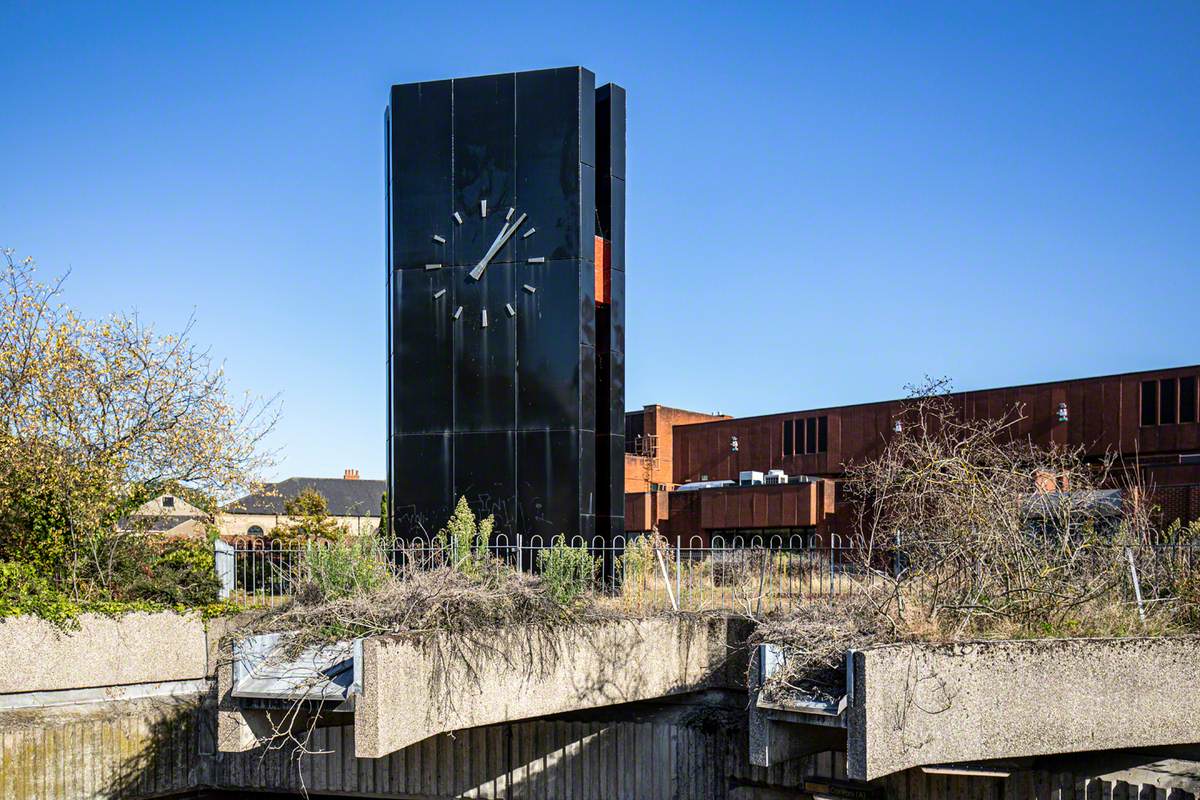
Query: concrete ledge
(916, 704)
(105, 651)
(415, 687)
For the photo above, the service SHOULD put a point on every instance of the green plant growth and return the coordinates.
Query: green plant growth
(568, 572)
(464, 542)
(133, 568)
(24, 591)
(308, 518)
(344, 568)
(383, 519)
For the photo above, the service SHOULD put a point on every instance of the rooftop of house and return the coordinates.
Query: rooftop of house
(346, 497)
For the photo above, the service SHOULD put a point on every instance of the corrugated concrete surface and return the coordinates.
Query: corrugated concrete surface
(141, 749)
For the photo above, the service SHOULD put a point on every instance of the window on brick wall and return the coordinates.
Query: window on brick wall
(1169, 401)
(1187, 399)
(1149, 402)
(805, 436)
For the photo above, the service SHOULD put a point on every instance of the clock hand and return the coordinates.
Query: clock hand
(477, 272)
(505, 234)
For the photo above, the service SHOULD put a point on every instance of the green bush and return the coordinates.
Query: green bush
(342, 568)
(24, 591)
(129, 568)
(567, 571)
(464, 543)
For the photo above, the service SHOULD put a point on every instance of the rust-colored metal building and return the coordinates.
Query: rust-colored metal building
(1150, 419)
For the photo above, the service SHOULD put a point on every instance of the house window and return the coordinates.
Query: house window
(255, 530)
(168, 502)
(810, 435)
(789, 441)
(1169, 401)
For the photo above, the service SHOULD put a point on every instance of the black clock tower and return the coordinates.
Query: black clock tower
(506, 302)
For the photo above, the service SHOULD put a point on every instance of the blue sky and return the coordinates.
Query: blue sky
(826, 201)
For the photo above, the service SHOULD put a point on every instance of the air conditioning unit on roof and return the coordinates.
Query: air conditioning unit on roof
(775, 477)
(750, 478)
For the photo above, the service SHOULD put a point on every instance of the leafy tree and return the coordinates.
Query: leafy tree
(308, 518)
(98, 416)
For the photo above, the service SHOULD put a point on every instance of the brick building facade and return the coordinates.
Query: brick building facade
(1151, 420)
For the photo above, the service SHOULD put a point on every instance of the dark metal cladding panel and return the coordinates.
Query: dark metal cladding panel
(616, 195)
(484, 165)
(610, 475)
(485, 472)
(422, 338)
(610, 128)
(485, 357)
(547, 161)
(587, 389)
(616, 326)
(547, 488)
(548, 339)
(421, 177)
(422, 472)
(587, 117)
(615, 400)
(587, 216)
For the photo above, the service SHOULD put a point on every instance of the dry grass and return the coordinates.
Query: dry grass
(441, 599)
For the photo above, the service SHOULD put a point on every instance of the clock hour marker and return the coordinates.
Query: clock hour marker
(438, 293)
(439, 239)
(528, 233)
(530, 289)
(458, 217)
(538, 260)
(457, 313)
(483, 208)
(508, 216)
(433, 266)
(512, 312)
(483, 323)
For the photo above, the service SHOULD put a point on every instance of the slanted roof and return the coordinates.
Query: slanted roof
(353, 498)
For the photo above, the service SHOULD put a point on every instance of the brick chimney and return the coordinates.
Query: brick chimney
(350, 475)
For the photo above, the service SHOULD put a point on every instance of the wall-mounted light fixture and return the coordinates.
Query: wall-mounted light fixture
(733, 444)
(898, 426)
(1062, 412)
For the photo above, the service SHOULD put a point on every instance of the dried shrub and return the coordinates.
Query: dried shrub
(991, 530)
(815, 638)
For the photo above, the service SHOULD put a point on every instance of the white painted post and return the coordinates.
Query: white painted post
(1137, 588)
(223, 560)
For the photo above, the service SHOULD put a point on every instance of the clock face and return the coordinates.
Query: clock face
(515, 224)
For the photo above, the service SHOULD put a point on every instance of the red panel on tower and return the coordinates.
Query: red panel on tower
(603, 272)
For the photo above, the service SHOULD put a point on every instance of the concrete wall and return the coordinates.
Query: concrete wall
(414, 687)
(133, 648)
(934, 704)
(120, 750)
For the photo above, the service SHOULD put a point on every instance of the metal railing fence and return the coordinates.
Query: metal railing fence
(639, 573)
(755, 573)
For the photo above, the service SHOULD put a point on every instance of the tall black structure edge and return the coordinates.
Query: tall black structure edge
(505, 224)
